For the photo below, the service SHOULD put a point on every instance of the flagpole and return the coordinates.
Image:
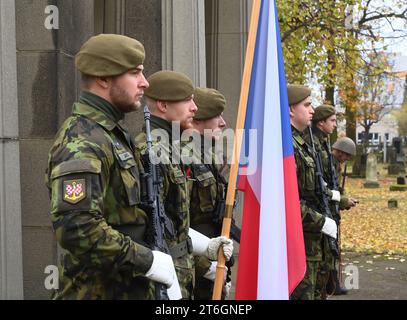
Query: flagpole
(244, 94)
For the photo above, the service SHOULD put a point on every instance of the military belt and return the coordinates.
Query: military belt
(181, 249)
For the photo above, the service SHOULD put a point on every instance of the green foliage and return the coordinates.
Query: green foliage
(316, 40)
(320, 40)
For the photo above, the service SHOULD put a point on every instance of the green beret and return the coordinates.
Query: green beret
(109, 55)
(297, 93)
(323, 112)
(169, 86)
(210, 103)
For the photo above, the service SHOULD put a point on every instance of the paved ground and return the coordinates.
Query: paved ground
(381, 277)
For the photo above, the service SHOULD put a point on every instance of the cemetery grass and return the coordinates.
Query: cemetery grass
(374, 240)
(371, 227)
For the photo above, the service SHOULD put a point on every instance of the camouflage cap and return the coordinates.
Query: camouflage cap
(297, 93)
(210, 103)
(323, 112)
(107, 55)
(169, 86)
(346, 145)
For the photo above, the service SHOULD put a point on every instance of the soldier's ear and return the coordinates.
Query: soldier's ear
(103, 82)
(162, 106)
(291, 112)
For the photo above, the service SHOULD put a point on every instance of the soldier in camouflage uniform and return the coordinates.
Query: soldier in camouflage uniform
(93, 180)
(207, 184)
(170, 100)
(342, 151)
(315, 224)
(323, 124)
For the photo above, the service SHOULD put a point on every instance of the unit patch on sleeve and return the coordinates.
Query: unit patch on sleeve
(74, 190)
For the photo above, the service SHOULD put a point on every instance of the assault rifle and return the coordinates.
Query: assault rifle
(334, 182)
(151, 200)
(344, 177)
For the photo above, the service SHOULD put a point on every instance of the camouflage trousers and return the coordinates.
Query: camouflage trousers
(186, 279)
(326, 267)
(307, 288)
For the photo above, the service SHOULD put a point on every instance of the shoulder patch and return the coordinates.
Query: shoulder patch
(74, 190)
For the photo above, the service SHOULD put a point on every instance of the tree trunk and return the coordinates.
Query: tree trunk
(330, 88)
(366, 138)
(350, 116)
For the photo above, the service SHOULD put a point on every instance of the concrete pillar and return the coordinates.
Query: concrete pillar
(183, 38)
(11, 264)
(141, 19)
(48, 84)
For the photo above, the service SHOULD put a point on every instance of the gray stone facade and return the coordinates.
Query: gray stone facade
(11, 270)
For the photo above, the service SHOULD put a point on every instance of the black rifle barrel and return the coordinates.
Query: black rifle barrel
(154, 202)
(344, 176)
(334, 182)
(320, 191)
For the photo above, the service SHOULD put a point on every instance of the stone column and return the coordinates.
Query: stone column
(183, 38)
(227, 28)
(48, 84)
(11, 264)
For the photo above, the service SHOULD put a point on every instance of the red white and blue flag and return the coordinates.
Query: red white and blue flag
(272, 255)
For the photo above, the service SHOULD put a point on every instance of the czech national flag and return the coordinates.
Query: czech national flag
(272, 255)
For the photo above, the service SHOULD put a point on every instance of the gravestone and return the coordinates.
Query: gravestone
(359, 164)
(400, 186)
(397, 158)
(392, 204)
(371, 172)
(401, 180)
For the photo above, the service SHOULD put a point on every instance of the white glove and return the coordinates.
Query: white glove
(211, 273)
(162, 270)
(203, 246)
(330, 228)
(215, 243)
(174, 292)
(336, 195)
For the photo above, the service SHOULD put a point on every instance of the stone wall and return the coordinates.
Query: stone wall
(11, 269)
(47, 87)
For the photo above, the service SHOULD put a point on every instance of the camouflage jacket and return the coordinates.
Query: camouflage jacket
(312, 219)
(321, 141)
(207, 189)
(206, 186)
(175, 198)
(93, 180)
